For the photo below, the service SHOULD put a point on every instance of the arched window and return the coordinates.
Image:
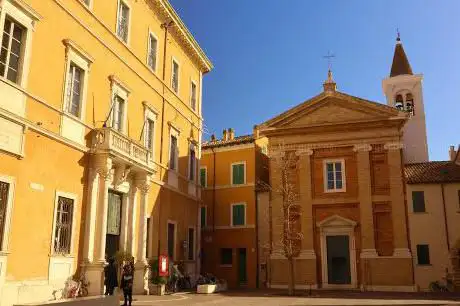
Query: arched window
(399, 103)
(409, 103)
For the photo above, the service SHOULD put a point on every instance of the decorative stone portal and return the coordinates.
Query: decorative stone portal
(338, 258)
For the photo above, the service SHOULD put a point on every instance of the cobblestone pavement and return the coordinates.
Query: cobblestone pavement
(277, 298)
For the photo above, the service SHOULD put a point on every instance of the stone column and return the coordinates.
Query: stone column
(398, 210)
(306, 202)
(90, 226)
(365, 201)
(131, 244)
(95, 269)
(140, 273)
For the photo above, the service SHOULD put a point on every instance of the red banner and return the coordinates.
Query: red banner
(163, 265)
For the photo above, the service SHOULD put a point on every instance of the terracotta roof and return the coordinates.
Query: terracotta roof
(221, 143)
(432, 172)
(400, 62)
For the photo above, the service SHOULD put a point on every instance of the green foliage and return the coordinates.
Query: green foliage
(154, 277)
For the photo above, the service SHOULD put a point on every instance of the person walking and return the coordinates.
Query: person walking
(127, 283)
(110, 281)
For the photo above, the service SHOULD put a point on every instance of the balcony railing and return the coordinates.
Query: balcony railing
(111, 141)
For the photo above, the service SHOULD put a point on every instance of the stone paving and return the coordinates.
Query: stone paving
(318, 298)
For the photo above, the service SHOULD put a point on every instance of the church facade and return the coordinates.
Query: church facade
(347, 175)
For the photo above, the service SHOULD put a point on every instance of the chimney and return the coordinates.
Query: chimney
(255, 131)
(224, 135)
(452, 153)
(231, 134)
(213, 137)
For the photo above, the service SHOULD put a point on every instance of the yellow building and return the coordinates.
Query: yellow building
(100, 126)
(433, 197)
(233, 171)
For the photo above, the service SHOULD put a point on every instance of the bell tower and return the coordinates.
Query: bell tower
(403, 90)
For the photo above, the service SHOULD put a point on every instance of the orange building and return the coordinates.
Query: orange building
(230, 180)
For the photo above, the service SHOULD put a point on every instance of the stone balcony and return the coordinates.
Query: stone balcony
(123, 149)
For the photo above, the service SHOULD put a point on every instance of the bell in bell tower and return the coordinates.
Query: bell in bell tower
(403, 90)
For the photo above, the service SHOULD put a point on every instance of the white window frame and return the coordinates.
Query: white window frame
(192, 82)
(27, 17)
(174, 132)
(87, 3)
(245, 214)
(231, 173)
(11, 181)
(73, 197)
(205, 216)
(81, 59)
(194, 243)
(175, 238)
(129, 21)
(195, 148)
(121, 90)
(150, 114)
(344, 178)
(205, 176)
(152, 34)
(174, 60)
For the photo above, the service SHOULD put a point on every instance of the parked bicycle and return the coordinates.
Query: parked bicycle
(446, 285)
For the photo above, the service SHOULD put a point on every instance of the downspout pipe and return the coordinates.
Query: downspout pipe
(213, 190)
(165, 26)
(445, 217)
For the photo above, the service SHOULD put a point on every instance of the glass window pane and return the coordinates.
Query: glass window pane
(5, 40)
(17, 32)
(12, 75)
(338, 166)
(330, 185)
(14, 62)
(330, 176)
(2, 69)
(3, 54)
(338, 184)
(338, 175)
(329, 167)
(7, 25)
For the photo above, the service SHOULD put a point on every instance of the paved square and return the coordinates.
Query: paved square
(317, 299)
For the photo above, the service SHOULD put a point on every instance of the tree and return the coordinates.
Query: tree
(285, 187)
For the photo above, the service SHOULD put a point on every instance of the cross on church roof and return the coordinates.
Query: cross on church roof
(329, 58)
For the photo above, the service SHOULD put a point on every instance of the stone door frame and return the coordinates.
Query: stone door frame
(334, 226)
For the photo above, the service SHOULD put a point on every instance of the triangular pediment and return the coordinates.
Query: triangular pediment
(336, 221)
(330, 109)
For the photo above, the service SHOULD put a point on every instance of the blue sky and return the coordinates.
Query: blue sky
(268, 56)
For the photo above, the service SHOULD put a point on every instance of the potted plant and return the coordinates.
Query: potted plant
(157, 283)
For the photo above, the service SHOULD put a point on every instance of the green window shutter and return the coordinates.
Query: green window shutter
(203, 177)
(238, 215)
(238, 174)
(418, 201)
(203, 216)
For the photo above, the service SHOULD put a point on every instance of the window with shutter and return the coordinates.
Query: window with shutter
(238, 214)
(238, 175)
(423, 254)
(152, 55)
(203, 177)
(175, 76)
(173, 153)
(226, 257)
(193, 96)
(123, 22)
(418, 201)
(74, 89)
(192, 164)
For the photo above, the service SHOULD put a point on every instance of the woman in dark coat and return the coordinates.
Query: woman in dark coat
(110, 280)
(127, 283)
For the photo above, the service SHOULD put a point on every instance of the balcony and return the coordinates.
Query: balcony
(121, 148)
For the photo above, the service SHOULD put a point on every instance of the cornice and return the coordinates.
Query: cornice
(181, 31)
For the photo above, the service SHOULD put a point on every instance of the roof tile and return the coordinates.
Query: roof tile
(432, 172)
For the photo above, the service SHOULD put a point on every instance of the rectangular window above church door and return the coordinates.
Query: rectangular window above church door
(334, 175)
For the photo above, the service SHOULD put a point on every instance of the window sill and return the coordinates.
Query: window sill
(420, 212)
(424, 265)
(238, 226)
(68, 256)
(335, 190)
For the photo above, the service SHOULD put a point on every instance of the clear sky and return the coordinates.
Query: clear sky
(268, 56)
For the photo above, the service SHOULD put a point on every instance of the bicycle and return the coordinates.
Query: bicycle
(445, 286)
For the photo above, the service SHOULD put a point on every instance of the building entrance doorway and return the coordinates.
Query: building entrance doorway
(338, 260)
(242, 271)
(112, 240)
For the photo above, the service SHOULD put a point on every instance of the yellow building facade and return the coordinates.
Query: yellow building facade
(100, 126)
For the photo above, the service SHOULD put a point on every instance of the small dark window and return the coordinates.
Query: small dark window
(191, 243)
(423, 254)
(226, 256)
(418, 201)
